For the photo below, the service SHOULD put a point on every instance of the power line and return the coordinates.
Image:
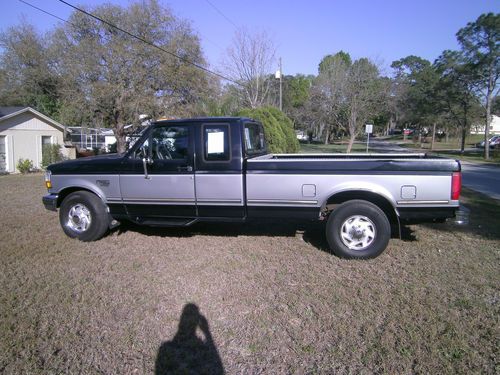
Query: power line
(44, 11)
(148, 42)
(222, 14)
(133, 36)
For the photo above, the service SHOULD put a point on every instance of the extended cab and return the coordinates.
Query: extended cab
(218, 169)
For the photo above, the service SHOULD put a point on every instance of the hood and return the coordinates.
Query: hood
(106, 164)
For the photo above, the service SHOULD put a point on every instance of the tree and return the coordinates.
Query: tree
(328, 94)
(278, 128)
(27, 73)
(480, 43)
(418, 85)
(345, 94)
(455, 91)
(110, 78)
(361, 95)
(249, 62)
(296, 93)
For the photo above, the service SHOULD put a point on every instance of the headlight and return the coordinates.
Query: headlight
(48, 182)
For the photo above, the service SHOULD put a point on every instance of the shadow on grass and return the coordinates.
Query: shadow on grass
(312, 233)
(187, 353)
(484, 217)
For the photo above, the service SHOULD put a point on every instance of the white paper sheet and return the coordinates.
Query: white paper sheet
(215, 143)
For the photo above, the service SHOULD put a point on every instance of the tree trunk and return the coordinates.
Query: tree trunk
(121, 141)
(464, 130)
(488, 119)
(433, 135)
(327, 135)
(352, 128)
(352, 137)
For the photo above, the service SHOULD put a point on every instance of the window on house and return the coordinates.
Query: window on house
(3, 155)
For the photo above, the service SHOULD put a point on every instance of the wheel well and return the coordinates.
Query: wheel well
(380, 201)
(65, 192)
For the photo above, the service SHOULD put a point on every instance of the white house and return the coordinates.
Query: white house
(23, 132)
(494, 126)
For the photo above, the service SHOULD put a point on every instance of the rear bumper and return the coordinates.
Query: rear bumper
(50, 202)
(417, 215)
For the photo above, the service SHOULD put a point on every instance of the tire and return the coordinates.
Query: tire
(358, 229)
(83, 215)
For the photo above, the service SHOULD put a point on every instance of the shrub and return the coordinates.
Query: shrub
(51, 154)
(495, 154)
(24, 166)
(278, 128)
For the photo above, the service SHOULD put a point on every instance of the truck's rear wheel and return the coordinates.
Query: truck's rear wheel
(358, 229)
(83, 215)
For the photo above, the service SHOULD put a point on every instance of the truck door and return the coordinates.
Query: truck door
(219, 176)
(157, 180)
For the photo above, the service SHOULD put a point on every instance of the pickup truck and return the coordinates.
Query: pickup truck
(180, 172)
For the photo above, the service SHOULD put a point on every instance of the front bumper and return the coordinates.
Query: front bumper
(50, 202)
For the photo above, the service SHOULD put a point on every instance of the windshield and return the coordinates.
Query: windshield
(254, 139)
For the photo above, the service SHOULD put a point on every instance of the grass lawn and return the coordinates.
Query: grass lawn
(269, 297)
(451, 148)
(338, 147)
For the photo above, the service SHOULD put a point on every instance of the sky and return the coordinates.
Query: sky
(304, 31)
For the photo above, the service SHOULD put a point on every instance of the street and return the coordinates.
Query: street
(482, 178)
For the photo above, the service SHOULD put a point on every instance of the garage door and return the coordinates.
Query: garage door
(3, 156)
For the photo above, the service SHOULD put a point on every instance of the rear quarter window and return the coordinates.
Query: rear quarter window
(216, 143)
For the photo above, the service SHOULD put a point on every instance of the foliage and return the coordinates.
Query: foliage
(27, 74)
(480, 46)
(455, 91)
(117, 78)
(87, 73)
(24, 166)
(345, 95)
(51, 153)
(278, 128)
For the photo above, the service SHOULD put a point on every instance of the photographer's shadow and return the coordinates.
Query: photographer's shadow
(187, 353)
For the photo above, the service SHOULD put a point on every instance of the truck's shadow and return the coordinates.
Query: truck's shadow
(312, 233)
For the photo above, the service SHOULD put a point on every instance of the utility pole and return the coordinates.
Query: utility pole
(279, 75)
(281, 87)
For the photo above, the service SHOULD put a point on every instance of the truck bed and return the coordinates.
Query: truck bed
(350, 163)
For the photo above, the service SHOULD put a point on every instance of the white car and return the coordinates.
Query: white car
(494, 142)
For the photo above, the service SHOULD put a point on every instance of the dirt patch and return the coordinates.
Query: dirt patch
(258, 299)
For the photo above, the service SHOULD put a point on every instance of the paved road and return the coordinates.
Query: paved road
(476, 176)
(482, 178)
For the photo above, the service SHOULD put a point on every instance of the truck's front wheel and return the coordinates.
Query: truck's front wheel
(358, 229)
(83, 215)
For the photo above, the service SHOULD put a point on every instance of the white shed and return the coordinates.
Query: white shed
(23, 131)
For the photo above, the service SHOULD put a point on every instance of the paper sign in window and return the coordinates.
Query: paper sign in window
(215, 144)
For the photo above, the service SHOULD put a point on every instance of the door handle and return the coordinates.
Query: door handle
(187, 168)
(145, 162)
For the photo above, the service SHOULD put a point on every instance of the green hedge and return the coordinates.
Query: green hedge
(280, 136)
(51, 153)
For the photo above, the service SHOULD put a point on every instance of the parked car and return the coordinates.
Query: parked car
(494, 142)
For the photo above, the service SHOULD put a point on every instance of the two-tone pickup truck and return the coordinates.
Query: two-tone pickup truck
(218, 169)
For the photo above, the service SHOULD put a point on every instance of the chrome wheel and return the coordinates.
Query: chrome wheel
(79, 218)
(357, 232)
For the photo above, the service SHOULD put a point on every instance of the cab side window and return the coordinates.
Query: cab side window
(170, 143)
(216, 142)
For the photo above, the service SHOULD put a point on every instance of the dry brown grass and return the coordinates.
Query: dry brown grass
(274, 299)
